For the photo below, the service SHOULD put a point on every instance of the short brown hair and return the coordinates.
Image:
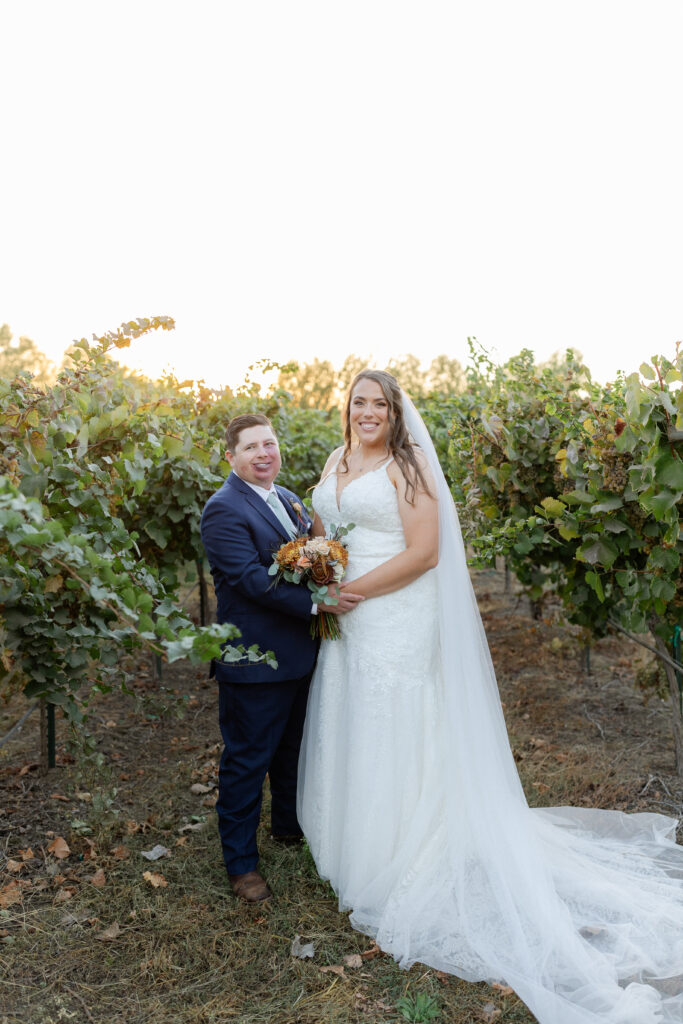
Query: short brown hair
(243, 422)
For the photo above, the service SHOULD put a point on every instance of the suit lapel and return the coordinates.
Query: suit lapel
(287, 505)
(258, 504)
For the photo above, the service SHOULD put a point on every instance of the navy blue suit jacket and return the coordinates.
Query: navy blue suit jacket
(240, 532)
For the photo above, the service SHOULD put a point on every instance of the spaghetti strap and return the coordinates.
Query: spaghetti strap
(331, 470)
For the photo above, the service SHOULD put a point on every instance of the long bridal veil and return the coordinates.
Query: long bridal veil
(579, 910)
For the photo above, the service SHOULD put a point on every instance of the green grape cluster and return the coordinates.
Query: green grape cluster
(10, 469)
(615, 466)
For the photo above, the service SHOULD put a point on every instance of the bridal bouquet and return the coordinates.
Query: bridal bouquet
(317, 562)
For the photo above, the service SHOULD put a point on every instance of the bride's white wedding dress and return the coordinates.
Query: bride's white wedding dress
(412, 807)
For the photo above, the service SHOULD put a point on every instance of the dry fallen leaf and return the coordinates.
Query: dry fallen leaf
(26, 854)
(63, 895)
(110, 724)
(333, 969)
(443, 977)
(196, 826)
(199, 787)
(505, 990)
(59, 848)
(182, 840)
(28, 768)
(59, 796)
(120, 852)
(489, 1012)
(98, 879)
(353, 960)
(155, 879)
(10, 894)
(110, 933)
(14, 865)
(372, 952)
(132, 826)
(83, 795)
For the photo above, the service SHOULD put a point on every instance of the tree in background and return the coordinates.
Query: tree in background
(352, 365)
(445, 376)
(311, 385)
(23, 354)
(318, 385)
(563, 360)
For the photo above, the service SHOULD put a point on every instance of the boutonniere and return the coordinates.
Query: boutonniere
(298, 510)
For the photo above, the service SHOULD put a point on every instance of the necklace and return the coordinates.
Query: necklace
(374, 463)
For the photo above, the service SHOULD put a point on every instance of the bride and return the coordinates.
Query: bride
(408, 792)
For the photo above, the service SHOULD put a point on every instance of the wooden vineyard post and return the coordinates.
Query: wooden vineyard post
(203, 594)
(586, 659)
(673, 678)
(47, 736)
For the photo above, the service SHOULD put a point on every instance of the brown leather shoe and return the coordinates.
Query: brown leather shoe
(250, 887)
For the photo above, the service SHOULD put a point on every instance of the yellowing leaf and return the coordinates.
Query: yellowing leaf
(567, 533)
(155, 879)
(553, 506)
(53, 584)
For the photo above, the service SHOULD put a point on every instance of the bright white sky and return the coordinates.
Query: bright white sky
(300, 179)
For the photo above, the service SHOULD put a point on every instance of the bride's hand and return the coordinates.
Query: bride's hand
(347, 600)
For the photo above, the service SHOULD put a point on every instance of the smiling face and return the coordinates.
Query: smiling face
(369, 413)
(256, 458)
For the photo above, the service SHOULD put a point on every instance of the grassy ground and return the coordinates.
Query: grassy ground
(89, 937)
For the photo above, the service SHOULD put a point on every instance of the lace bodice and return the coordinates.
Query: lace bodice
(370, 503)
(370, 633)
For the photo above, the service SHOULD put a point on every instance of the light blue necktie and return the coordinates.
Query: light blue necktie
(279, 511)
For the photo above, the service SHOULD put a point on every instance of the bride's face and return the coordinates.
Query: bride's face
(369, 413)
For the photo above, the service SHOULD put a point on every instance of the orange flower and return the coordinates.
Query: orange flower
(289, 552)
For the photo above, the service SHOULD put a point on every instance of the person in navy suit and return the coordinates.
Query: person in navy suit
(261, 709)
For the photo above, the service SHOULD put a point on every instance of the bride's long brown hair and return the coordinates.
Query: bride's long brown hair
(399, 443)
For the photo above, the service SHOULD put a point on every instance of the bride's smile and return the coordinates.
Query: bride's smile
(369, 414)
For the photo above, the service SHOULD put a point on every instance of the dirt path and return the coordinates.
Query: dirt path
(104, 935)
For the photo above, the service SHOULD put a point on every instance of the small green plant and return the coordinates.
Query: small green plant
(419, 1008)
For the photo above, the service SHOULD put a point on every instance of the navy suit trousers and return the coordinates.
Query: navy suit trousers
(261, 725)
